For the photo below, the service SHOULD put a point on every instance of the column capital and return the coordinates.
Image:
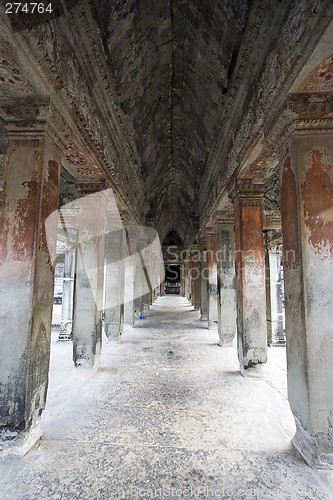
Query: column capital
(224, 217)
(247, 192)
(311, 105)
(210, 232)
(202, 243)
(271, 220)
(24, 115)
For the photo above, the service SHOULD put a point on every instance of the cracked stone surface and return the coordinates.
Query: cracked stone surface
(167, 416)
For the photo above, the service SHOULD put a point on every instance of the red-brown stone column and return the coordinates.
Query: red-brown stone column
(307, 226)
(31, 193)
(250, 277)
(89, 288)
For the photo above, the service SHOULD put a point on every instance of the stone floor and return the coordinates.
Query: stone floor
(167, 416)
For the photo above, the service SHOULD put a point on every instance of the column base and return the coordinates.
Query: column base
(227, 336)
(213, 325)
(309, 450)
(19, 443)
(254, 371)
(113, 330)
(225, 343)
(82, 360)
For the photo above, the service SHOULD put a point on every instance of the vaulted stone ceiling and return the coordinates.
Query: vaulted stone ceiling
(165, 101)
(171, 62)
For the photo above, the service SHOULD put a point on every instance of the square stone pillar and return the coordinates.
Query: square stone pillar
(203, 281)
(115, 275)
(195, 278)
(129, 291)
(274, 293)
(136, 247)
(159, 274)
(211, 239)
(66, 329)
(89, 287)
(227, 319)
(307, 227)
(187, 287)
(250, 276)
(182, 280)
(138, 285)
(30, 195)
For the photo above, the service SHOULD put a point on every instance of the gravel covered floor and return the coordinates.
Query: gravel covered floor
(167, 416)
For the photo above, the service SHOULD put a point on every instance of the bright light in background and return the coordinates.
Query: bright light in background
(94, 221)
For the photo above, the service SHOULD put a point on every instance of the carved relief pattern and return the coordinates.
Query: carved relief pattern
(83, 96)
(74, 157)
(321, 78)
(11, 78)
(87, 172)
(281, 66)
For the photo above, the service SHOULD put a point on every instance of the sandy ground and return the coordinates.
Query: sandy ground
(167, 416)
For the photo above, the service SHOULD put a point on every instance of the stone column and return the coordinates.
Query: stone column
(129, 291)
(212, 277)
(162, 288)
(138, 286)
(307, 228)
(136, 270)
(250, 276)
(115, 276)
(88, 303)
(30, 194)
(195, 278)
(187, 288)
(158, 274)
(66, 329)
(158, 277)
(147, 288)
(204, 280)
(227, 319)
(274, 293)
(182, 279)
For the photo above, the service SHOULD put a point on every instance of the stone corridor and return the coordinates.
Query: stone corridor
(167, 415)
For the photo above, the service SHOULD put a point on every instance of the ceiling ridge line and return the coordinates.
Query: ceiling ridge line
(173, 212)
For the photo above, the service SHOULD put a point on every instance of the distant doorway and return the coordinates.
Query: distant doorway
(172, 279)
